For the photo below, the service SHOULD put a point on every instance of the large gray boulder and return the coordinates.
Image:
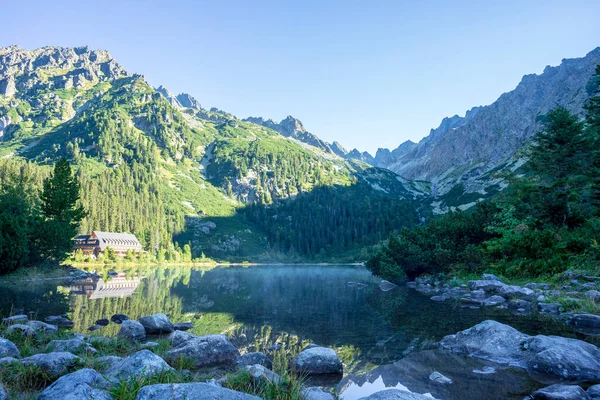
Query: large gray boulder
(21, 329)
(55, 364)
(15, 319)
(85, 384)
(593, 295)
(142, 363)
(258, 373)
(75, 346)
(40, 326)
(593, 392)
(489, 340)
(253, 359)
(560, 392)
(395, 394)
(568, 359)
(490, 286)
(178, 337)
(105, 362)
(205, 351)
(8, 349)
(156, 324)
(515, 292)
(191, 391)
(318, 361)
(132, 330)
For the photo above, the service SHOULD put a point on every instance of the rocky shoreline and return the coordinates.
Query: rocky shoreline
(490, 291)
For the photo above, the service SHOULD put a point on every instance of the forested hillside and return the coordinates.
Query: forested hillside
(150, 166)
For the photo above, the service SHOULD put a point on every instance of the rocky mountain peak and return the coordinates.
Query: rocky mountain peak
(167, 94)
(338, 149)
(188, 101)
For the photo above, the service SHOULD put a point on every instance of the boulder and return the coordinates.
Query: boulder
(23, 330)
(178, 337)
(8, 349)
(55, 364)
(40, 326)
(132, 330)
(156, 324)
(549, 308)
(494, 301)
(489, 340)
(108, 361)
(58, 320)
(15, 319)
(183, 326)
(386, 286)
(439, 378)
(316, 393)
(8, 360)
(519, 305)
(515, 292)
(259, 372)
(85, 384)
(588, 324)
(489, 286)
(490, 277)
(191, 391)
(103, 322)
(206, 351)
(395, 394)
(593, 295)
(74, 346)
(318, 361)
(144, 363)
(593, 392)
(568, 359)
(119, 318)
(253, 359)
(560, 392)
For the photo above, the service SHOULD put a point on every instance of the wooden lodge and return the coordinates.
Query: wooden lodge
(97, 242)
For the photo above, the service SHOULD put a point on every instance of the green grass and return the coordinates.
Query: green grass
(27, 379)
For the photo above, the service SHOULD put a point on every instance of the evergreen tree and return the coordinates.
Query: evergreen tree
(60, 211)
(16, 225)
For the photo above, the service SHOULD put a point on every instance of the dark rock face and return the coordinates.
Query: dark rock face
(191, 391)
(560, 392)
(253, 359)
(318, 361)
(156, 324)
(206, 351)
(79, 385)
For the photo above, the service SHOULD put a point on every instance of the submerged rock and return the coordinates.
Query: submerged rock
(55, 364)
(85, 384)
(144, 363)
(8, 349)
(156, 324)
(191, 391)
(560, 392)
(205, 351)
(318, 361)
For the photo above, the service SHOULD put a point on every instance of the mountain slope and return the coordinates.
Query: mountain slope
(464, 149)
(162, 167)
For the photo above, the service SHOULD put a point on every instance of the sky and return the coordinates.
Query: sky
(368, 74)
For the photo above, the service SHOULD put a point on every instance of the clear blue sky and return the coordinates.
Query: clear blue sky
(368, 74)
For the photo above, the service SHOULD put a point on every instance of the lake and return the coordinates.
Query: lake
(375, 333)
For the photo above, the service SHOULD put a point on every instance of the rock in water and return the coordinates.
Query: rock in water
(316, 393)
(191, 391)
(318, 361)
(119, 318)
(8, 349)
(156, 324)
(489, 340)
(439, 378)
(253, 359)
(144, 363)
(85, 384)
(132, 330)
(206, 351)
(395, 394)
(55, 364)
(560, 392)
(386, 286)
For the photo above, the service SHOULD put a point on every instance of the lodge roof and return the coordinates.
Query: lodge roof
(106, 239)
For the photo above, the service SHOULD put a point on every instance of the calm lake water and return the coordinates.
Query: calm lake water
(374, 332)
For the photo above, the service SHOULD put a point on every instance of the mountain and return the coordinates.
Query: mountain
(468, 150)
(172, 172)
